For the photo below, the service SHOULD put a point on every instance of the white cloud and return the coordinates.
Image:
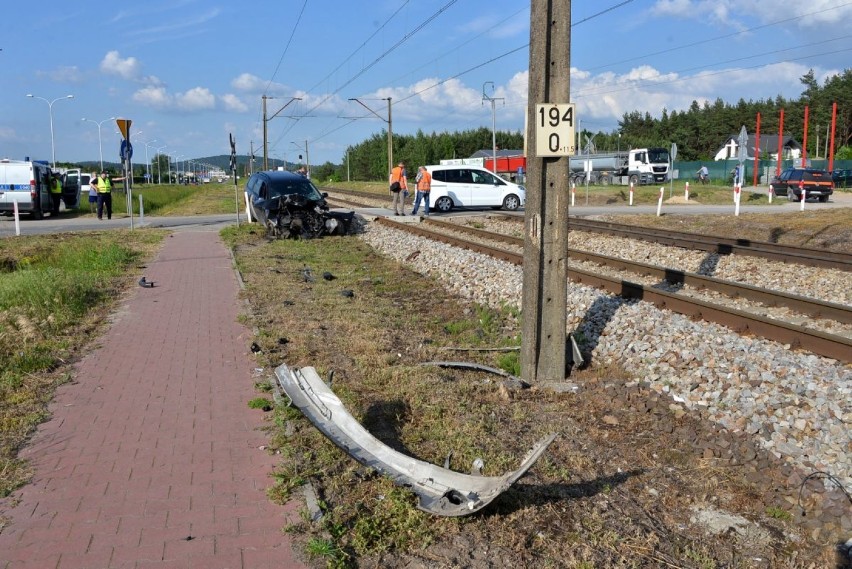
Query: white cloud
(152, 96)
(233, 103)
(740, 14)
(248, 83)
(113, 64)
(66, 74)
(196, 99)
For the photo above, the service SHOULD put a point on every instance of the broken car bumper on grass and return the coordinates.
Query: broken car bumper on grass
(439, 490)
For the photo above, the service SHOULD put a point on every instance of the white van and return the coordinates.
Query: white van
(26, 183)
(470, 186)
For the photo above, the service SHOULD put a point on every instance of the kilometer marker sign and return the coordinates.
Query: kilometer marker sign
(554, 129)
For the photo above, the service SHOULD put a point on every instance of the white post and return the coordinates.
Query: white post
(804, 197)
(17, 218)
(631, 193)
(141, 210)
(686, 192)
(771, 191)
(737, 200)
(573, 192)
(248, 211)
(660, 202)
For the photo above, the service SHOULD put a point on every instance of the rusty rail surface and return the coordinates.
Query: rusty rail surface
(721, 245)
(802, 304)
(807, 256)
(821, 343)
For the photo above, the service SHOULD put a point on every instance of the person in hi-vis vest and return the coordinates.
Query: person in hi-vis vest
(104, 189)
(399, 189)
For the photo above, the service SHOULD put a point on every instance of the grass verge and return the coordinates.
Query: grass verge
(54, 292)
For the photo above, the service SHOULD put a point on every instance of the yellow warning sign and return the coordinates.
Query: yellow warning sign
(124, 127)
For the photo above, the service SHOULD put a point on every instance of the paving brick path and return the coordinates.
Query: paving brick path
(152, 458)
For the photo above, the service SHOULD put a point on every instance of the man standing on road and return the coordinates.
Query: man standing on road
(423, 183)
(104, 187)
(398, 187)
(55, 194)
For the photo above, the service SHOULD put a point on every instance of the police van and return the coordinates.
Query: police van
(27, 183)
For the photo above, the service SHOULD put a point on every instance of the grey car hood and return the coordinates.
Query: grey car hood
(439, 490)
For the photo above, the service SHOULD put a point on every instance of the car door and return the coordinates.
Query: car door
(459, 181)
(486, 189)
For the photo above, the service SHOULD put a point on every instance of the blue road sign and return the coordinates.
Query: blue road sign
(126, 152)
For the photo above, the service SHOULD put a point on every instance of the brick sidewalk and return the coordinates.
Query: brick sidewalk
(151, 457)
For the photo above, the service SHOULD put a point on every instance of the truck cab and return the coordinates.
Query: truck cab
(648, 165)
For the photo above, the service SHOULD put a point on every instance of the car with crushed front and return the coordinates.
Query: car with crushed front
(792, 182)
(289, 205)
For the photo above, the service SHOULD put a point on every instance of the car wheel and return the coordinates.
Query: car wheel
(634, 179)
(823, 199)
(604, 180)
(37, 213)
(511, 202)
(444, 204)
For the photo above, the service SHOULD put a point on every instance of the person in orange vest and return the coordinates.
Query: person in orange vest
(399, 189)
(423, 184)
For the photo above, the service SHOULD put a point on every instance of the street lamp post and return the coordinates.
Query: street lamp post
(100, 146)
(390, 128)
(159, 176)
(50, 111)
(147, 161)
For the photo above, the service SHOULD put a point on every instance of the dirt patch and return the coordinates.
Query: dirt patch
(633, 480)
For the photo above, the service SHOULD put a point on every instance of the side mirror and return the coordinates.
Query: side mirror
(325, 194)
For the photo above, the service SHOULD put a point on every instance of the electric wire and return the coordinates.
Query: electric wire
(286, 47)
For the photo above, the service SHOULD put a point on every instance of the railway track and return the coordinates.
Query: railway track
(817, 342)
(724, 246)
(807, 256)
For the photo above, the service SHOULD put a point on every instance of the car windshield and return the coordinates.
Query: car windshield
(302, 187)
(658, 156)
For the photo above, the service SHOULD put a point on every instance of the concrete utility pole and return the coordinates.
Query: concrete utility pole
(493, 100)
(266, 120)
(543, 348)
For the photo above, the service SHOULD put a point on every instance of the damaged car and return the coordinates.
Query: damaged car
(290, 206)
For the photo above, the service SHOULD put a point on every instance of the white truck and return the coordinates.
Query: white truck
(638, 166)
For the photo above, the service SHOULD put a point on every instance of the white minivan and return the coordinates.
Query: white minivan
(470, 186)
(25, 183)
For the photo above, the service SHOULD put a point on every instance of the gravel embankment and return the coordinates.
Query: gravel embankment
(798, 406)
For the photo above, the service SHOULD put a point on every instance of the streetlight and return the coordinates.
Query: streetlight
(307, 158)
(100, 146)
(147, 161)
(266, 120)
(177, 158)
(493, 120)
(159, 177)
(50, 111)
(390, 128)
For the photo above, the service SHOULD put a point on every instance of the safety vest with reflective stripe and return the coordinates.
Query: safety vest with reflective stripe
(56, 187)
(104, 186)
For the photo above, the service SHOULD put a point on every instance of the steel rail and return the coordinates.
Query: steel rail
(820, 343)
(803, 304)
(721, 245)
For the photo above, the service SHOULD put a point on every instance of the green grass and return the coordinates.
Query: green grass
(52, 293)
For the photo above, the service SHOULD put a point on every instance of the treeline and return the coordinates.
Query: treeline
(701, 130)
(369, 159)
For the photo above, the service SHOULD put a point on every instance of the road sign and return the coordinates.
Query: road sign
(742, 151)
(124, 127)
(674, 151)
(554, 129)
(233, 164)
(126, 152)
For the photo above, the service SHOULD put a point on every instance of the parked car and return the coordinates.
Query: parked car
(470, 186)
(289, 205)
(791, 182)
(842, 178)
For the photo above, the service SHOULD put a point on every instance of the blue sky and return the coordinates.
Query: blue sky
(190, 72)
